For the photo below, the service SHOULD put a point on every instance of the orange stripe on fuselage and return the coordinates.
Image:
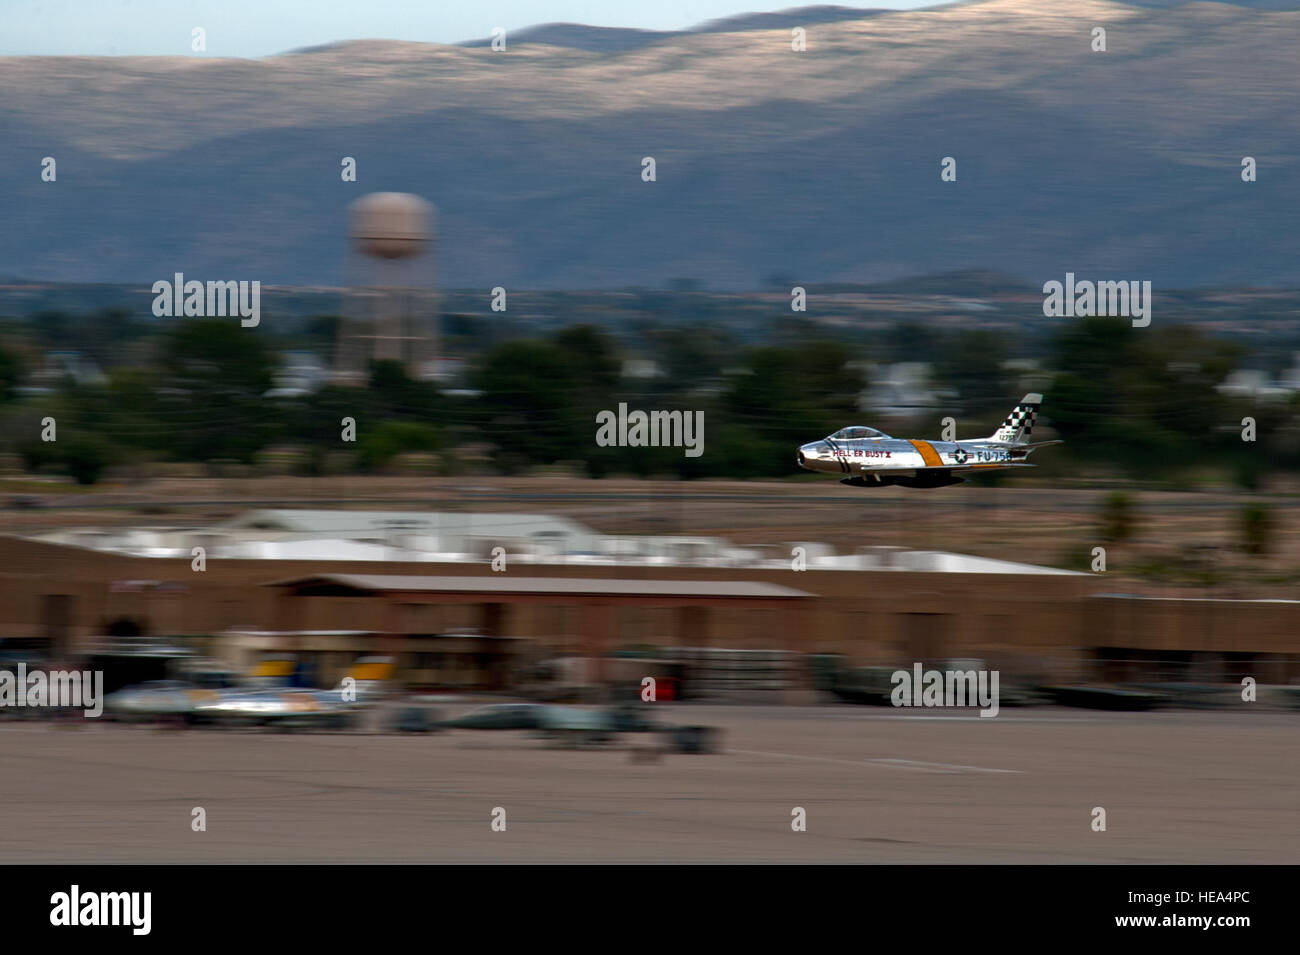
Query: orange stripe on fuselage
(928, 454)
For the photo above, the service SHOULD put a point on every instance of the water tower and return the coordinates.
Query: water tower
(389, 308)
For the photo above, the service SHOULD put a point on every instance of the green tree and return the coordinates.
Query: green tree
(378, 445)
(540, 398)
(1257, 529)
(214, 376)
(529, 407)
(789, 397)
(970, 361)
(11, 375)
(400, 396)
(1146, 399)
(85, 456)
(594, 367)
(80, 453)
(1118, 520)
(691, 356)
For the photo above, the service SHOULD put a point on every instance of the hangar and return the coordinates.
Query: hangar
(888, 607)
(395, 605)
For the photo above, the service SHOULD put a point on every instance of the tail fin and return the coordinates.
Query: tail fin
(1019, 425)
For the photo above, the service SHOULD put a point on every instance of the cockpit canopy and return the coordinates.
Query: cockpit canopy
(857, 433)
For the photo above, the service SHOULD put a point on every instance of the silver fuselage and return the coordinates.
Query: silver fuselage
(859, 456)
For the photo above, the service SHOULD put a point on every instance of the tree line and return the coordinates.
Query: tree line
(1143, 402)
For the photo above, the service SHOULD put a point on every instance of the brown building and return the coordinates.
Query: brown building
(1042, 626)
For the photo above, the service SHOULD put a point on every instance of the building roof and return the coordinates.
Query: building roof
(568, 586)
(933, 561)
(383, 522)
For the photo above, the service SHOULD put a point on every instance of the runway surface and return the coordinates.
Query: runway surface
(877, 787)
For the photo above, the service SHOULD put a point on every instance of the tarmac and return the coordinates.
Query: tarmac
(875, 785)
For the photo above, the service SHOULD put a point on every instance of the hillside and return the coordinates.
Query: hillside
(816, 167)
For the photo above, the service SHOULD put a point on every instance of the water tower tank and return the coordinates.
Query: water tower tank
(391, 225)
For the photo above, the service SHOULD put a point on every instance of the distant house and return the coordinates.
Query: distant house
(302, 373)
(61, 366)
(641, 368)
(1258, 385)
(445, 370)
(900, 390)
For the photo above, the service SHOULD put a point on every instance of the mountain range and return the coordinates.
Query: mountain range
(772, 166)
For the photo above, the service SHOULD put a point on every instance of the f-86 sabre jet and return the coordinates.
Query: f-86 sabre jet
(871, 458)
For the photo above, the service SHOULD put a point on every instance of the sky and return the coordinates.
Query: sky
(253, 28)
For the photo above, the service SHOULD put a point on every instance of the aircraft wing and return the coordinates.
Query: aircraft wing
(997, 466)
(955, 468)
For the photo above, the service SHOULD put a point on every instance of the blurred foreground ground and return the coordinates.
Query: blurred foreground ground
(877, 785)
